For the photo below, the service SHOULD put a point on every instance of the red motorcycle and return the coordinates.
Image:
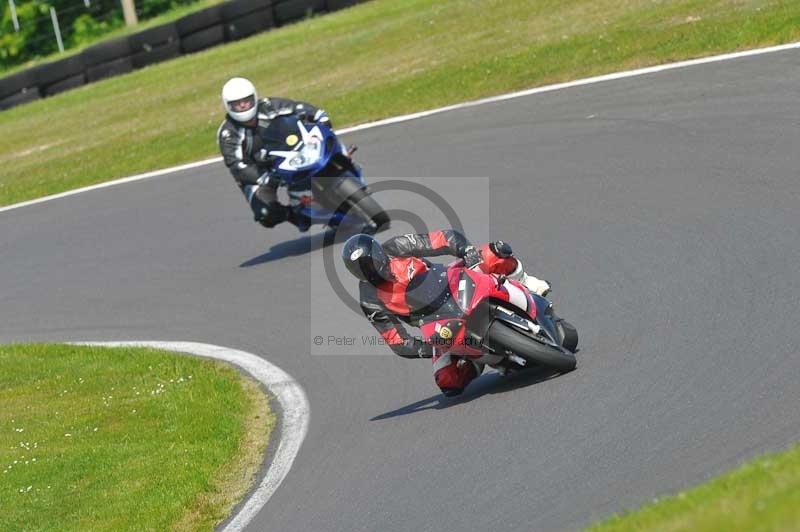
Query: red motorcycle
(497, 321)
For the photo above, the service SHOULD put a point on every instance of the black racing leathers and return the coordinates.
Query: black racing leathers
(418, 288)
(242, 152)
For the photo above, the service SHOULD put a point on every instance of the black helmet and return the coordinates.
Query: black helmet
(365, 258)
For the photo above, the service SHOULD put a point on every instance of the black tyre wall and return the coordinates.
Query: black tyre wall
(16, 83)
(203, 39)
(106, 52)
(249, 24)
(51, 73)
(116, 67)
(198, 21)
(19, 98)
(65, 84)
(290, 10)
(156, 55)
(237, 8)
(152, 38)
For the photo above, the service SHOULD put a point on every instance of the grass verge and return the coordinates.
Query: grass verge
(761, 495)
(124, 439)
(377, 59)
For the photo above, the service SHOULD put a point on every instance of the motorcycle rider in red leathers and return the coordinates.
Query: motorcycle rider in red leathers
(397, 286)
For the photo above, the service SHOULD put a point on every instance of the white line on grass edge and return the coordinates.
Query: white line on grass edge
(422, 114)
(294, 415)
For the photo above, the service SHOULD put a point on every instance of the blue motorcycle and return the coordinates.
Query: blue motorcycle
(322, 180)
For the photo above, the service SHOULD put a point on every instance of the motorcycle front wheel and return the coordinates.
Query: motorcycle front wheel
(502, 337)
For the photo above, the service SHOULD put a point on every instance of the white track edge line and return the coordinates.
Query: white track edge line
(422, 114)
(294, 415)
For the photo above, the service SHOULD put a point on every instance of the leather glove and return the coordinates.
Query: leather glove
(262, 156)
(472, 257)
(416, 348)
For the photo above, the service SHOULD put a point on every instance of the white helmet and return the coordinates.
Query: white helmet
(240, 99)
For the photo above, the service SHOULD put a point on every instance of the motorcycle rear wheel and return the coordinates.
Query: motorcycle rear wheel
(365, 203)
(502, 337)
(350, 198)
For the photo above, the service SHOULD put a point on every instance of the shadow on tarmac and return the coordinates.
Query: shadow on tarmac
(304, 244)
(292, 248)
(488, 383)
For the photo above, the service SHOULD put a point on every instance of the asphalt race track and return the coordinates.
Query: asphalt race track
(664, 208)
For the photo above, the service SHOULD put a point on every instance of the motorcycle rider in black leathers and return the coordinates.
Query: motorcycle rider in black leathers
(242, 149)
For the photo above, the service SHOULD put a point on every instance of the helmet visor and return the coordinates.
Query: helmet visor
(243, 104)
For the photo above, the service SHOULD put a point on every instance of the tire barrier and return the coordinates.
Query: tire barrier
(243, 18)
(249, 24)
(238, 8)
(287, 11)
(226, 22)
(152, 38)
(65, 84)
(198, 21)
(107, 51)
(18, 98)
(200, 40)
(158, 54)
(55, 73)
(14, 87)
(123, 65)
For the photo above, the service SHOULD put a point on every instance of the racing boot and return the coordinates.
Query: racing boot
(299, 220)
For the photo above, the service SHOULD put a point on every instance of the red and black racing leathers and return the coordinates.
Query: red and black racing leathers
(420, 290)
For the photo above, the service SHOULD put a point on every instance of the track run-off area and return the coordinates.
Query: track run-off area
(664, 209)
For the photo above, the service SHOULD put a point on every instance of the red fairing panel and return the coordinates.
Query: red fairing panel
(484, 286)
(447, 336)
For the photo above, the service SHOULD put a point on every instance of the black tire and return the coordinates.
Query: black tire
(203, 39)
(570, 334)
(501, 336)
(370, 208)
(348, 197)
(291, 10)
(65, 84)
(29, 95)
(16, 83)
(123, 65)
(247, 25)
(239, 8)
(199, 20)
(106, 51)
(53, 73)
(157, 55)
(152, 38)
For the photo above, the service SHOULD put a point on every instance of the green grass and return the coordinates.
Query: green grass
(763, 495)
(375, 60)
(123, 439)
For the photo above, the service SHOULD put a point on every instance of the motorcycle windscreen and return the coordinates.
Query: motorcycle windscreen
(282, 134)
